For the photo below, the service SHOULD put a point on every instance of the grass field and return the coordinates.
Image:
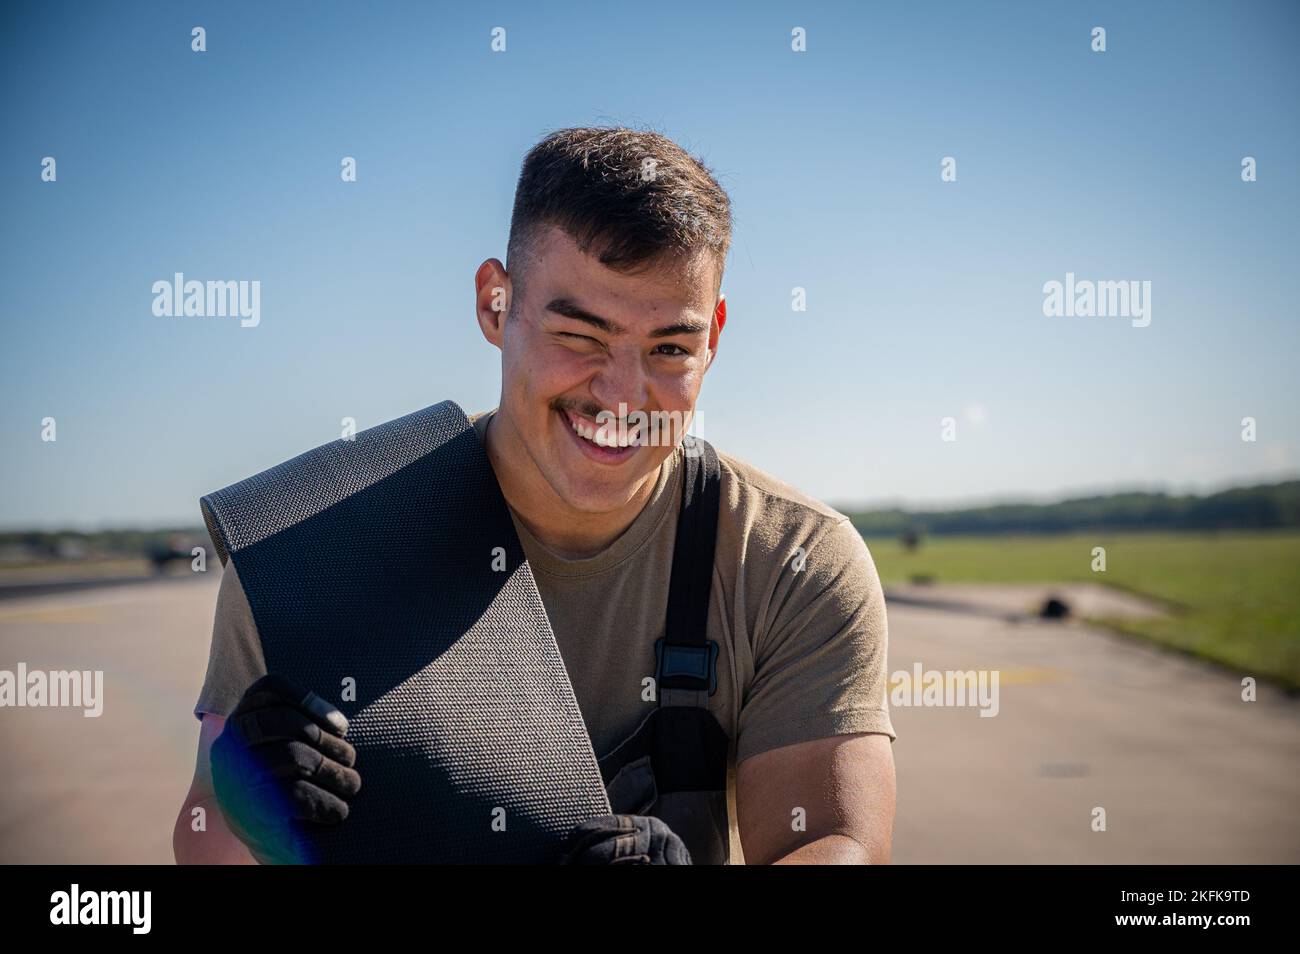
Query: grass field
(1233, 597)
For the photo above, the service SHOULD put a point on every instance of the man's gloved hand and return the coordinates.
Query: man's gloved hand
(625, 840)
(281, 767)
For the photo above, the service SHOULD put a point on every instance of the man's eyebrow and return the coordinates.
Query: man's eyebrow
(566, 307)
(680, 328)
(563, 306)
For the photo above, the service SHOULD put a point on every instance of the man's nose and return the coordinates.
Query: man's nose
(621, 380)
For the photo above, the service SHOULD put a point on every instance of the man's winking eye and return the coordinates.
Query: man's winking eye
(566, 308)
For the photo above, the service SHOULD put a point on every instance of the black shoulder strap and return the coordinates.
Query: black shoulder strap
(686, 659)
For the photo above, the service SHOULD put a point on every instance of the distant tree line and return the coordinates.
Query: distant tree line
(63, 544)
(1267, 506)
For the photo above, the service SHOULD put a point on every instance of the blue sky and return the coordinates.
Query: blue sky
(924, 297)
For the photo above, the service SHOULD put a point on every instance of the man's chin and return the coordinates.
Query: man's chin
(586, 493)
(596, 502)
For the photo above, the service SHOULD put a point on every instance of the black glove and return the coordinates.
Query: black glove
(281, 767)
(625, 840)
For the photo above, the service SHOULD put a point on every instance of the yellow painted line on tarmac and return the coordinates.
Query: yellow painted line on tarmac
(1014, 676)
(1029, 676)
(52, 614)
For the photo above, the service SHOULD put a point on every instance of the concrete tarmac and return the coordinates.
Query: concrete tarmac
(1185, 771)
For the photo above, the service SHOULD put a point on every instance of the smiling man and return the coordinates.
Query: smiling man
(763, 737)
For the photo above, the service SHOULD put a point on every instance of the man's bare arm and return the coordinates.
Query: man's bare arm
(218, 844)
(844, 785)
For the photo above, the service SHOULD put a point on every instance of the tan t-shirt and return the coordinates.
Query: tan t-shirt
(797, 611)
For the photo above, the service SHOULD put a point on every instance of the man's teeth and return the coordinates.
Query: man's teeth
(605, 435)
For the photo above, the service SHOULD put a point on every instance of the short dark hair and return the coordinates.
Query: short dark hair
(632, 198)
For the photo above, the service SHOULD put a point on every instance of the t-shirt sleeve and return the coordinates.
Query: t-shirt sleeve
(235, 658)
(820, 658)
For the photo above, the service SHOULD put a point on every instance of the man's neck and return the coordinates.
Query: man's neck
(568, 533)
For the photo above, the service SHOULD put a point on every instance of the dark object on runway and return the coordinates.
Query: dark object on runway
(1054, 608)
(177, 549)
(389, 566)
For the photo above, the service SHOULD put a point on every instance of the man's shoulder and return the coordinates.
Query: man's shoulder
(767, 511)
(754, 487)
(480, 420)
(796, 561)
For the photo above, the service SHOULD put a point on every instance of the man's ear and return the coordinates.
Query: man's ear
(492, 299)
(715, 330)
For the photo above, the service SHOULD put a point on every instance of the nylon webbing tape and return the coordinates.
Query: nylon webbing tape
(373, 560)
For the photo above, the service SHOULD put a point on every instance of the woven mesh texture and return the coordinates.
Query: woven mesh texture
(373, 559)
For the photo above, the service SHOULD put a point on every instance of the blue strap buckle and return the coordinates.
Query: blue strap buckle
(686, 667)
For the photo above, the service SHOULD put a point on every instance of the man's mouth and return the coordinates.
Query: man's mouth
(606, 443)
